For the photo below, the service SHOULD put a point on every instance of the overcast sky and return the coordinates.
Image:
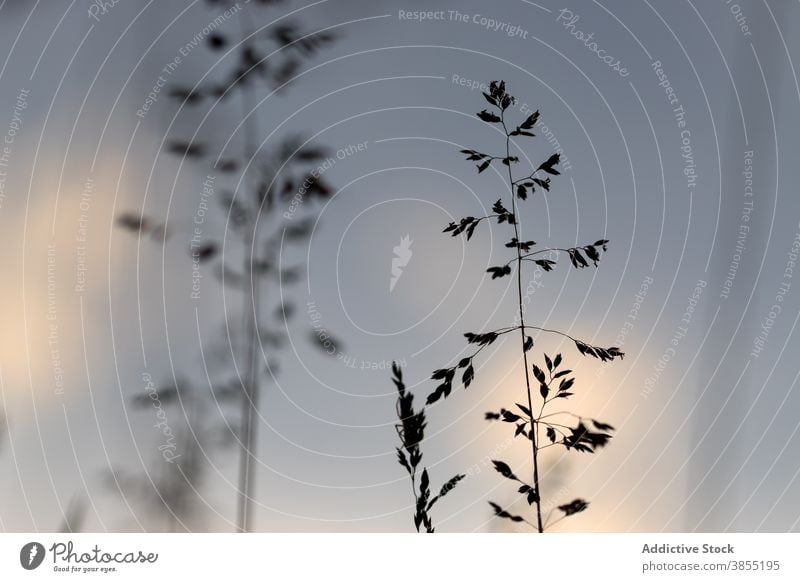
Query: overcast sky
(677, 122)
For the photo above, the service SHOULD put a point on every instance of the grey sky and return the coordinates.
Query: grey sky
(706, 441)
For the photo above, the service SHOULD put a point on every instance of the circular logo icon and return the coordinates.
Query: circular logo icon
(31, 555)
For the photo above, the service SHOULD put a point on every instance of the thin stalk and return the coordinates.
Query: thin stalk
(534, 429)
(251, 385)
(169, 514)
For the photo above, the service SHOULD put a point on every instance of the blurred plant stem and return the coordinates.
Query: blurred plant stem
(250, 397)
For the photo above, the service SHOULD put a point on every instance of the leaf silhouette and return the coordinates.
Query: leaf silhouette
(543, 184)
(584, 440)
(204, 252)
(539, 374)
(573, 507)
(500, 512)
(216, 41)
(488, 117)
(504, 470)
(401, 457)
(473, 155)
(603, 354)
(549, 165)
(132, 222)
(545, 264)
(469, 375)
(566, 384)
(530, 121)
(483, 339)
(602, 425)
(498, 272)
(186, 149)
(450, 485)
(186, 95)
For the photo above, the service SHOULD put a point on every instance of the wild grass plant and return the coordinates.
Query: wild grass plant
(541, 419)
(253, 187)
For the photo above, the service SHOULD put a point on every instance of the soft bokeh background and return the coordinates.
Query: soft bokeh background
(707, 429)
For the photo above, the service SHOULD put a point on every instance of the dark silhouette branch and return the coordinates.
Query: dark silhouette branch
(534, 430)
(554, 383)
